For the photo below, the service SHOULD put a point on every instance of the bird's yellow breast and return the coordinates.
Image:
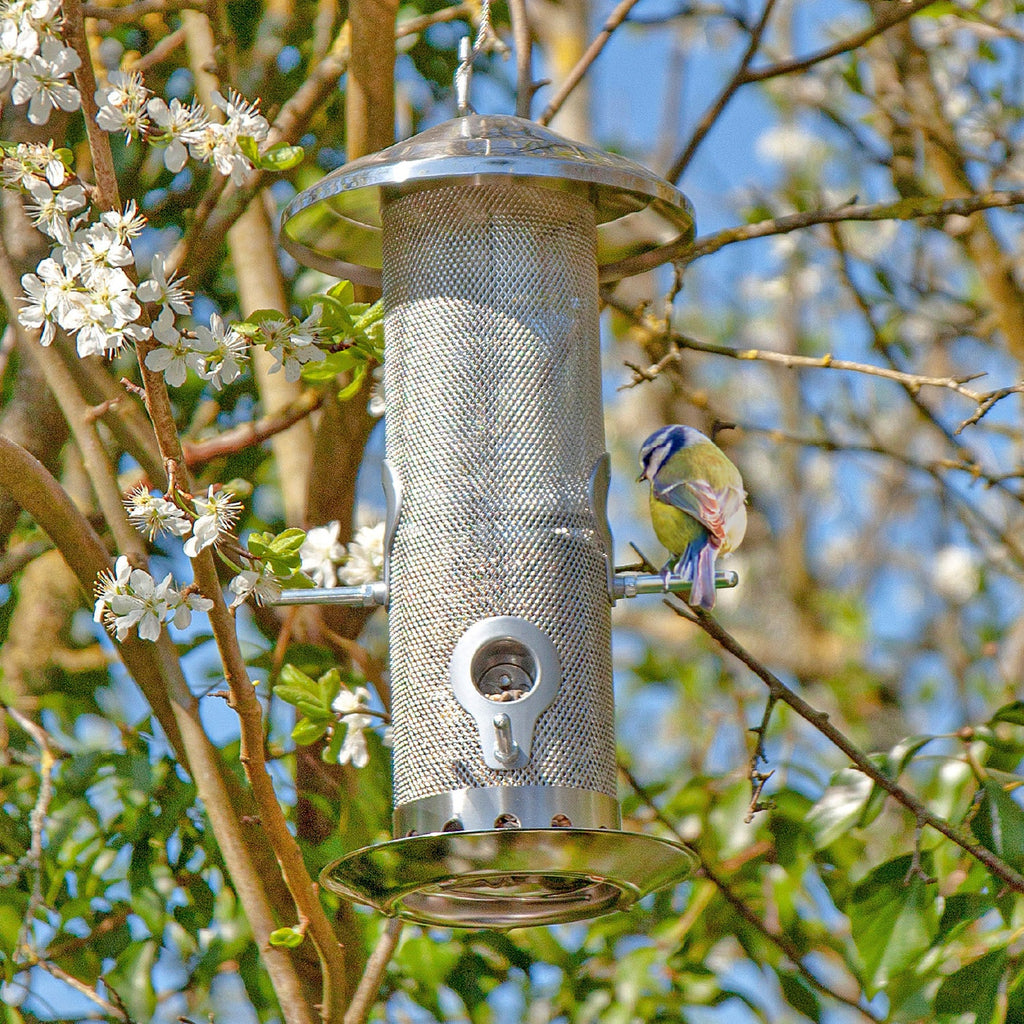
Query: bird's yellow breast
(673, 527)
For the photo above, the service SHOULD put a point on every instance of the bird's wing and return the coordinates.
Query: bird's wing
(718, 510)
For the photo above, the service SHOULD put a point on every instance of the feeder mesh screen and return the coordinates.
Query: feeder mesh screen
(494, 424)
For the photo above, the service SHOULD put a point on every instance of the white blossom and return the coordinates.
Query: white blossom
(219, 143)
(178, 126)
(39, 81)
(260, 583)
(791, 146)
(955, 573)
(376, 406)
(37, 308)
(125, 224)
(96, 247)
(243, 116)
(152, 514)
(32, 161)
(176, 354)
(49, 210)
(132, 598)
(168, 291)
(90, 323)
(185, 605)
(292, 344)
(349, 705)
(365, 562)
(17, 44)
(42, 15)
(113, 289)
(110, 584)
(122, 104)
(225, 347)
(321, 552)
(217, 514)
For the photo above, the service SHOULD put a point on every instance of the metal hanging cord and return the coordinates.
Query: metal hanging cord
(486, 39)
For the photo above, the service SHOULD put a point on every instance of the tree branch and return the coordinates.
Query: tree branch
(782, 942)
(592, 52)
(253, 757)
(369, 984)
(902, 209)
(245, 435)
(713, 112)
(788, 67)
(820, 721)
(912, 381)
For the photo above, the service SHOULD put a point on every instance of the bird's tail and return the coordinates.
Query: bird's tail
(697, 563)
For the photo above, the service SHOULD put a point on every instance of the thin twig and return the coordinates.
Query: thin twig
(161, 51)
(782, 942)
(757, 777)
(713, 112)
(988, 402)
(788, 67)
(523, 45)
(369, 984)
(81, 987)
(915, 208)
(820, 721)
(656, 330)
(593, 51)
(245, 435)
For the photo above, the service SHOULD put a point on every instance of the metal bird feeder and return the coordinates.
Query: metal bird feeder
(488, 236)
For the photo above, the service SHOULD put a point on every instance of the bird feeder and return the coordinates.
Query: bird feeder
(488, 236)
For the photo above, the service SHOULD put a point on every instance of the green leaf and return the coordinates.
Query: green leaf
(343, 292)
(287, 937)
(288, 541)
(974, 988)
(840, 807)
(999, 824)
(902, 754)
(960, 910)
(307, 731)
(800, 995)
(428, 961)
(330, 687)
(280, 158)
(334, 315)
(247, 144)
(291, 676)
(892, 921)
(296, 695)
(350, 389)
(1013, 713)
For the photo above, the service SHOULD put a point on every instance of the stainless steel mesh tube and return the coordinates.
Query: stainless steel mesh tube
(494, 427)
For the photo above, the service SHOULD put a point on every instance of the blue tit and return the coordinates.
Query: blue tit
(697, 504)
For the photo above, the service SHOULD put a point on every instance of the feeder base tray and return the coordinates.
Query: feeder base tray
(508, 878)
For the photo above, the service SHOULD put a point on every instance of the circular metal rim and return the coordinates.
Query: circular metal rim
(631, 200)
(428, 879)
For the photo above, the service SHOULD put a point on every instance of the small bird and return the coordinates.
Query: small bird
(697, 504)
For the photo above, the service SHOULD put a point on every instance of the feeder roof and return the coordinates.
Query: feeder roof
(335, 225)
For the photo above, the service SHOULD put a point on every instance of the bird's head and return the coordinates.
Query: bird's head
(663, 444)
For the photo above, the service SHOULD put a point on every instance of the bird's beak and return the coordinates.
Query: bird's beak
(642, 477)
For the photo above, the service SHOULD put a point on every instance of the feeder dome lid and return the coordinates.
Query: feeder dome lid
(335, 225)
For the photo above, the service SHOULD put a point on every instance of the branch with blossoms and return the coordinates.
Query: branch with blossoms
(89, 289)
